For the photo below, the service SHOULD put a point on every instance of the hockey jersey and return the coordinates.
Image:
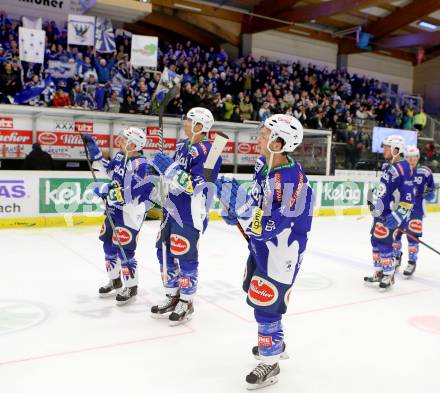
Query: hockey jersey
(285, 197)
(423, 185)
(190, 201)
(132, 191)
(395, 190)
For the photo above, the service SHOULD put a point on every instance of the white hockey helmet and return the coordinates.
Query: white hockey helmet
(136, 136)
(412, 151)
(201, 116)
(395, 142)
(288, 128)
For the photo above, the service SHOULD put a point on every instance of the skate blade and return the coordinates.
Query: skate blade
(371, 284)
(182, 322)
(283, 356)
(160, 316)
(271, 381)
(111, 294)
(120, 303)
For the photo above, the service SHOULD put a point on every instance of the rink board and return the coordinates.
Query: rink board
(45, 199)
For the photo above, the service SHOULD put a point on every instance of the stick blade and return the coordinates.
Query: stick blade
(217, 147)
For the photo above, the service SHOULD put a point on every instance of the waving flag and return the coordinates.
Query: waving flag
(32, 92)
(105, 37)
(31, 45)
(168, 80)
(144, 51)
(81, 30)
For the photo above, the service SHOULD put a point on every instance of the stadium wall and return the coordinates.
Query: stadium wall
(45, 198)
(427, 84)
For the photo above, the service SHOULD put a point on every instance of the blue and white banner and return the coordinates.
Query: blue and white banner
(81, 30)
(144, 51)
(31, 23)
(61, 69)
(32, 92)
(105, 37)
(31, 44)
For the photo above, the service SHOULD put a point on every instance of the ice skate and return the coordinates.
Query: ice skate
(128, 294)
(410, 269)
(371, 281)
(112, 288)
(165, 307)
(263, 375)
(386, 282)
(182, 313)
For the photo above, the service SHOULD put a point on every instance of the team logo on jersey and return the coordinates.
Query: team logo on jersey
(124, 236)
(184, 282)
(416, 226)
(265, 341)
(387, 262)
(108, 267)
(262, 292)
(194, 152)
(179, 244)
(381, 231)
(103, 229)
(287, 297)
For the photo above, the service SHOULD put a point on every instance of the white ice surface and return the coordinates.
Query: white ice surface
(57, 336)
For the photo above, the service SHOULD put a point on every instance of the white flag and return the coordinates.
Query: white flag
(81, 30)
(144, 51)
(105, 37)
(32, 23)
(31, 45)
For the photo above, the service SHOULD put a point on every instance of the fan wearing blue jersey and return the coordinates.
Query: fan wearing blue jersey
(128, 197)
(186, 216)
(395, 200)
(276, 215)
(424, 191)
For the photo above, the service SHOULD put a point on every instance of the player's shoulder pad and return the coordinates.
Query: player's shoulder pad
(424, 170)
(259, 164)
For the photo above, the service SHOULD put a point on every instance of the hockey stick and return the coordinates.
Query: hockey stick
(107, 213)
(168, 97)
(217, 147)
(418, 240)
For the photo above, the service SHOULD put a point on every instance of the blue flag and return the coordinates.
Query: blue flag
(105, 37)
(32, 92)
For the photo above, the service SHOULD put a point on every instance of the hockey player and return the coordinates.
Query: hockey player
(186, 216)
(127, 197)
(424, 190)
(277, 217)
(395, 199)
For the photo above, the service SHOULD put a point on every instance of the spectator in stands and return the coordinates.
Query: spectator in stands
(103, 68)
(246, 108)
(113, 105)
(236, 118)
(61, 99)
(77, 96)
(420, 120)
(408, 118)
(142, 97)
(129, 106)
(10, 82)
(228, 107)
(352, 153)
(38, 159)
(264, 112)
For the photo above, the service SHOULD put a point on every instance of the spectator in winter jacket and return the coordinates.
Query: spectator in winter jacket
(61, 99)
(229, 107)
(38, 159)
(103, 69)
(246, 109)
(10, 82)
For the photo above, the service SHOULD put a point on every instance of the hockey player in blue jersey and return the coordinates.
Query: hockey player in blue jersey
(424, 190)
(128, 197)
(277, 217)
(186, 216)
(395, 200)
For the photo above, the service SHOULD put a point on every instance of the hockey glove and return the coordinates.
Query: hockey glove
(429, 196)
(162, 163)
(395, 218)
(234, 203)
(101, 189)
(93, 150)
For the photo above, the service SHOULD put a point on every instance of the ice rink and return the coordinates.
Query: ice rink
(57, 335)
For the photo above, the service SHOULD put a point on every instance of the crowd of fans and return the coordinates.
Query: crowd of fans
(234, 90)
